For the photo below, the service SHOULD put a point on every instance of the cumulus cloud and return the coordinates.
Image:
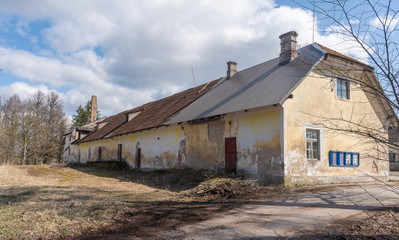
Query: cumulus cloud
(24, 90)
(131, 52)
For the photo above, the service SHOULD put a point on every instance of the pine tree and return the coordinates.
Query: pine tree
(82, 116)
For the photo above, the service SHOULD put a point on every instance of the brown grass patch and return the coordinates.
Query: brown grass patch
(59, 202)
(48, 203)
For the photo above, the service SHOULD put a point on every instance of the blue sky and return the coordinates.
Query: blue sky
(131, 52)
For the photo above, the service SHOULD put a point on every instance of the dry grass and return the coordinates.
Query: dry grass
(59, 202)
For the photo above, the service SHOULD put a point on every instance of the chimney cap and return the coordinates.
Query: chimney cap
(292, 33)
(231, 68)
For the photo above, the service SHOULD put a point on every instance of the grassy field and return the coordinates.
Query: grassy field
(59, 202)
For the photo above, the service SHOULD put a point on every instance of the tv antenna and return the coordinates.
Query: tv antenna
(192, 71)
(314, 9)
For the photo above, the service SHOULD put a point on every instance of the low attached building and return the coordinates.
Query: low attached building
(73, 135)
(275, 122)
(394, 150)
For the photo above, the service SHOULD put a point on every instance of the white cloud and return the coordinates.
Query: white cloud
(391, 22)
(23, 90)
(148, 46)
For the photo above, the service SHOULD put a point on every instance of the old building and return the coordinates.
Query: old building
(393, 151)
(73, 135)
(267, 122)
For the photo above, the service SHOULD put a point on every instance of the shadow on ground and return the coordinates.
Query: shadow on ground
(175, 180)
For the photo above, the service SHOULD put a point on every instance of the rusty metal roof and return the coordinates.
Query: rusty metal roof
(340, 55)
(152, 114)
(262, 85)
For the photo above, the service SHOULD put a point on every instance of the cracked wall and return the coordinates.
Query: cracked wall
(315, 105)
(160, 148)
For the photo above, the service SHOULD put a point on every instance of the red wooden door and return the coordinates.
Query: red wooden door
(120, 152)
(138, 158)
(230, 154)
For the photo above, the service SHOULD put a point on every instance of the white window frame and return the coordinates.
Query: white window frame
(312, 140)
(348, 88)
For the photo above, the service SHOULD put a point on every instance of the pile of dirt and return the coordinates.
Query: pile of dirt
(227, 188)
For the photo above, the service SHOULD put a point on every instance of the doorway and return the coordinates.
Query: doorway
(230, 154)
(138, 155)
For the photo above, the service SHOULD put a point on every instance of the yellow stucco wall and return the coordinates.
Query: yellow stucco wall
(258, 140)
(314, 105)
(201, 145)
(159, 148)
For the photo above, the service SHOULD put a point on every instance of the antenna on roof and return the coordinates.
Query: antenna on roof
(192, 71)
(314, 4)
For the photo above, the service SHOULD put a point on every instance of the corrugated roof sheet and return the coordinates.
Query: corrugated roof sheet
(262, 85)
(151, 115)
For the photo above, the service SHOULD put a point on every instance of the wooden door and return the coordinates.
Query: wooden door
(230, 154)
(138, 158)
(119, 152)
(99, 153)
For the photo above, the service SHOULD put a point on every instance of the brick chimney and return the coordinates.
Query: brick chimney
(288, 47)
(93, 116)
(231, 69)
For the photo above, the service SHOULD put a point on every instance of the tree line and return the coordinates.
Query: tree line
(31, 130)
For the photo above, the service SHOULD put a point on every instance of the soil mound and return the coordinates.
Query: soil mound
(225, 188)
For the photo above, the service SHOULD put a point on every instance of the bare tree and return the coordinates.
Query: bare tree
(10, 125)
(31, 131)
(370, 27)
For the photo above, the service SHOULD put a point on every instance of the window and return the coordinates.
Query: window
(343, 88)
(119, 152)
(392, 157)
(89, 155)
(312, 144)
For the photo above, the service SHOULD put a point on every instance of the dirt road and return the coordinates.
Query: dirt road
(294, 215)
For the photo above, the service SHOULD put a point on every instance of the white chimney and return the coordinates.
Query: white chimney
(288, 47)
(231, 69)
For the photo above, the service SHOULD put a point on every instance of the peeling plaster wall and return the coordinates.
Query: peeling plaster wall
(258, 140)
(72, 154)
(394, 162)
(205, 145)
(201, 145)
(160, 148)
(259, 145)
(314, 104)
